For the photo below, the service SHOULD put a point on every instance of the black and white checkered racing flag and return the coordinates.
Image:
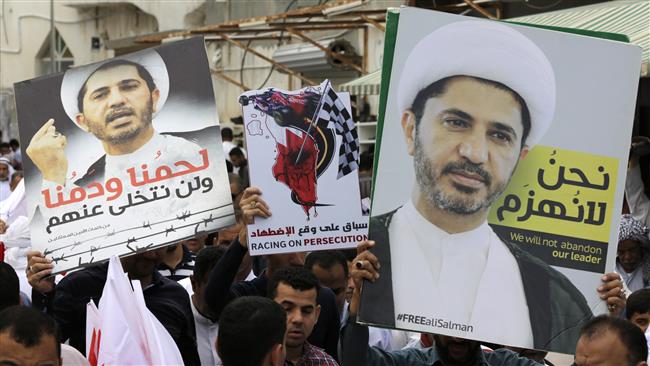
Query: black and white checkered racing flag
(333, 114)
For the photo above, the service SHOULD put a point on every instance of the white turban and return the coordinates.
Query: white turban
(75, 78)
(488, 50)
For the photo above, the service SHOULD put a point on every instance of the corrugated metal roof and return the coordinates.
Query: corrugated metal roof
(366, 85)
(628, 17)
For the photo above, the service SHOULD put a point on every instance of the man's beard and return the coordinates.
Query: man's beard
(129, 134)
(454, 203)
(473, 348)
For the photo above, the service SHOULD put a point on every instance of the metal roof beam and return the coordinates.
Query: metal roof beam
(343, 59)
(267, 59)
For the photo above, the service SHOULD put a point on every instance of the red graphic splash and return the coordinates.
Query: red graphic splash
(299, 176)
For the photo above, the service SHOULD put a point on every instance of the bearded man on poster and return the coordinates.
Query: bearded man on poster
(468, 116)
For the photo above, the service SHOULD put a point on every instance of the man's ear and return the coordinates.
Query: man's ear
(523, 152)
(408, 128)
(193, 282)
(216, 346)
(277, 355)
(317, 312)
(155, 95)
(81, 121)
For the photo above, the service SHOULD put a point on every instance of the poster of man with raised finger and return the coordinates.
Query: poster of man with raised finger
(115, 162)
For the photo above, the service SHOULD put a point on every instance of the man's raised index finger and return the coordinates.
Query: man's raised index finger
(364, 245)
(43, 130)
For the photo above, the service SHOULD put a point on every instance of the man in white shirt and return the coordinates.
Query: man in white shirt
(226, 141)
(6, 170)
(206, 324)
(469, 116)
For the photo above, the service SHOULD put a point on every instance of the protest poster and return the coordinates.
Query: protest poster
(303, 154)
(123, 155)
(496, 203)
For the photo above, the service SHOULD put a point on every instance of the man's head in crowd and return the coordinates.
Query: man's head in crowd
(143, 265)
(331, 269)
(252, 333)
(606, 340)
(28, 337)
(236, 188)
(9, 286)
(456, 351)
(278, 261)
(196, 243)
(15, 145)
(226, 134)
(15, 179)
(205, 260)
(237, 157)
(226, 235)
(637, 308)
(5, 169)
(116, 104)
(296, 290)
(5, 149)
(632, 240)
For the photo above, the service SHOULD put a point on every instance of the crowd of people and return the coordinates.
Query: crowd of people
(222, 306)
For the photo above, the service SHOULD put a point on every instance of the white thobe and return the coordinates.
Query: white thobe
(469, 278)
(206, 338)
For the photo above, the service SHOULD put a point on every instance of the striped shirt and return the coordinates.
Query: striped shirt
(183, 269)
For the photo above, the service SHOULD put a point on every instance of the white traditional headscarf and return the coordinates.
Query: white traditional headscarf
(488, 50)
(75, 78)
(6, 162)
(5, 185)
(633, 229)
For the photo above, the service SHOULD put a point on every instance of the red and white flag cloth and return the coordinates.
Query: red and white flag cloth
(122, 331)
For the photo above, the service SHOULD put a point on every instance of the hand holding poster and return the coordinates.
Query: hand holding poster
(114, 164)
(495, 198)
(304, 152)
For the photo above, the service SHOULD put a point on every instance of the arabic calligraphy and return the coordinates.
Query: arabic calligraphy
(113, 187)
(588, 211)
(204, 185)
(313, 230)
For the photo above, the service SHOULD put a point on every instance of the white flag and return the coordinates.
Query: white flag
(123, 331)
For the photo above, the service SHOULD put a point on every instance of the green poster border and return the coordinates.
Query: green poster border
(390, 37)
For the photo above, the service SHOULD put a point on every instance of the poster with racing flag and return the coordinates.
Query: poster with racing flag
(303, 152)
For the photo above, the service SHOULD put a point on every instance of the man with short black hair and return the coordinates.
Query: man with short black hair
(15, 147)
(28, 337)
(331, 269)
(238, 159)
(296, 290)
(205, 321)
(637, 308)
(222, 287)
(252, 333)
(609, 340)
(9, 286)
